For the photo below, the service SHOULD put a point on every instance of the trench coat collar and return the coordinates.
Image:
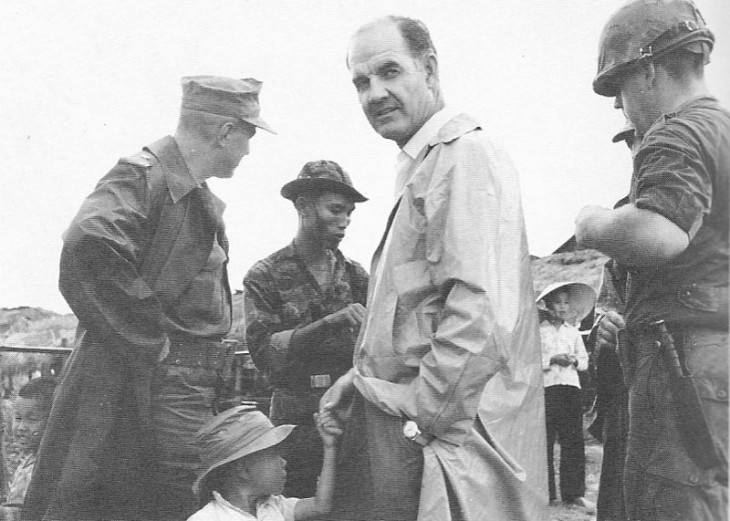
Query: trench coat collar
(454, 129)
(177, 174)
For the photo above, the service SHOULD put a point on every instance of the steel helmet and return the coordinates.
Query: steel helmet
(644, 30)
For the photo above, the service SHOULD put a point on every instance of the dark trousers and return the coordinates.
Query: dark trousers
(378, 471)
(182, 402)
(564, 418)
(662, 481)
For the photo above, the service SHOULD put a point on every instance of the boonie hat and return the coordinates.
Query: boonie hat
(233, 434)
(225, 97)
(321, 176)
(581, 295)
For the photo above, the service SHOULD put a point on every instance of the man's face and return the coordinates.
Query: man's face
(326, 217)
(397, 92)
(635, 99)
(236, 147)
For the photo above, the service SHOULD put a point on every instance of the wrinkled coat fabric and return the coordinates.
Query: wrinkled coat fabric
(451, 336)
(132, 249)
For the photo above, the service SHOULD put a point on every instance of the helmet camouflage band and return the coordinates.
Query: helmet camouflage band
(644, 30)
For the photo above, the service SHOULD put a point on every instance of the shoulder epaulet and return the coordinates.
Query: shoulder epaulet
(142, 159)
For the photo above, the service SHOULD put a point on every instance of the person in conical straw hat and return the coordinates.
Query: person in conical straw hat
(563, 355)
(582, 299)
(243, 473)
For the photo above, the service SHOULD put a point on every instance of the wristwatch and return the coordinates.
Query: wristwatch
(412, 432)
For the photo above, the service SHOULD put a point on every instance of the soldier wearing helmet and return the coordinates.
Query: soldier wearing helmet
(672, 238)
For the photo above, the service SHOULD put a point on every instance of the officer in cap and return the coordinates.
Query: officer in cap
(672, 237)
(303, 306)
(143, 267)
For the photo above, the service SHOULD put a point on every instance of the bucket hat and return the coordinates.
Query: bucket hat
(233, 434)
(321, 176)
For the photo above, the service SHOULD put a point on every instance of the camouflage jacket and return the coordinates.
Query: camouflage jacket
(281, 295)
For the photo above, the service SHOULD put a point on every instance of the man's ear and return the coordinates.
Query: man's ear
(650, 75)
(431, 66)
(300, 203)
(223, 133)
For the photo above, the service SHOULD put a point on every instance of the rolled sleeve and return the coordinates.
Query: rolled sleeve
(673, 182)
(268, 342)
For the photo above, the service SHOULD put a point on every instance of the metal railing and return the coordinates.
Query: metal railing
(246, 381)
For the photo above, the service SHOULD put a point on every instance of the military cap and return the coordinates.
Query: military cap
(627, 132)
(321, 176)
(225, 97)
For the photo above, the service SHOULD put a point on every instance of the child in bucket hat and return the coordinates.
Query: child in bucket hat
(243, 473)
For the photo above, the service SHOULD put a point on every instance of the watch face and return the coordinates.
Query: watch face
(410, 430)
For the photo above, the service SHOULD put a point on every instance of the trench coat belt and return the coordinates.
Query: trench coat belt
(190, 351)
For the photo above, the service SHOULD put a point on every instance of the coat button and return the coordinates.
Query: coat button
(657, 344)
(177, 361)
(721, 393)
(694, 479)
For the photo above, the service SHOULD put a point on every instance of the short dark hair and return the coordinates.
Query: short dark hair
(40, 389)
(416, 35)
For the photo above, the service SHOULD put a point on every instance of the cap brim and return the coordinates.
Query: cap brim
(259, 122)
(582, 297)
(294, 189)
(271, 438)
(624, 133)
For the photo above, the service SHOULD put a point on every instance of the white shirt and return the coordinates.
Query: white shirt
(555, 341)
(416, 146)
(274, 508)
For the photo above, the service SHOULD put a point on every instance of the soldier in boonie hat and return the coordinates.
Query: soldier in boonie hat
(321, 176)
(243, 471)
(304, 307)
(225, 97)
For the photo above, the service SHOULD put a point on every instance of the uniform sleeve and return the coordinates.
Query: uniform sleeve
(100, 263)
(672, 179)
(471, 216)
(268, 342)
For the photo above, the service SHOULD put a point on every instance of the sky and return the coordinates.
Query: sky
(85, 83)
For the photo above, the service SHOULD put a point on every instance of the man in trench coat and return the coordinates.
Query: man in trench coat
(445, 400)
(144, 268)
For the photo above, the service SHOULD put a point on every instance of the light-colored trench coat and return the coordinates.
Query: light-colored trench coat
(451, 335)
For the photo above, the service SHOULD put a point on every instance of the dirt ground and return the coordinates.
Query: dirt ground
(594, 454)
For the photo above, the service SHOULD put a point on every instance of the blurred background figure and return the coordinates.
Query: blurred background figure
(32, 407)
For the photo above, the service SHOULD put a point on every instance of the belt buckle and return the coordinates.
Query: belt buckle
(320, 381)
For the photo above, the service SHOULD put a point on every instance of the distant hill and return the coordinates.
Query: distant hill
(30, 326)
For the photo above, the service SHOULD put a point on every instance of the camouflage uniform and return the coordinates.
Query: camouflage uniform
(281, 295)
